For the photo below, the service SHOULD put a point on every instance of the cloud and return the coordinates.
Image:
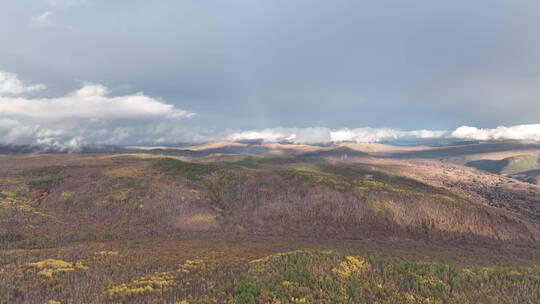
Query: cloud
(56, 8)
(89, 102)
(367, 135)
(320, 135)
(75, 144)
(43, 20)
(529, 132)
(519, 132)
(11, 84)
(89, 115)
(313, 135)
(93, 115)
(267, 135)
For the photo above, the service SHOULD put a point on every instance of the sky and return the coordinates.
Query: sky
(156, 72)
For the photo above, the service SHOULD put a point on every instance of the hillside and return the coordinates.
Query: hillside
(267, 196)
(235, 222)
(469, 149)
(529, 176)
(525, 168)
(509, 165)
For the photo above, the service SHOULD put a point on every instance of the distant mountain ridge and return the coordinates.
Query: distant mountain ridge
(509, 165)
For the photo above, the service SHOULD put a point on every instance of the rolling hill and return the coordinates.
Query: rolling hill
(220, 225)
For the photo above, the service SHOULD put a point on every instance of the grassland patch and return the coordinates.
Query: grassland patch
(43, 171)
(124, 171)
(314, 177)
(104, 254)
(50, 267)
(197, 222)
(246, 162)
(188, 169)
(377, 178)
(155, 282)
(379, 207)
(66, 197)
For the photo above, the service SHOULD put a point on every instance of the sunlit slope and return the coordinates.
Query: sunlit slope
(118, 197)
(509, 165)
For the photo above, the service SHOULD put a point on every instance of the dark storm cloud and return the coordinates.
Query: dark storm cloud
(250, 64)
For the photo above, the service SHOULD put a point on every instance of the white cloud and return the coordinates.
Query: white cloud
(43, 20)
(92, 115)
(519, 132)
(11, 84)
(313, 135)
(75, 144)
(367, 135)
(89, 102)
(267, 135)
(372, 135)
(56, 8)
(87, 115)
(325, 135)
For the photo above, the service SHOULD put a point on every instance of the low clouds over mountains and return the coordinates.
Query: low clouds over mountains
(93, 115)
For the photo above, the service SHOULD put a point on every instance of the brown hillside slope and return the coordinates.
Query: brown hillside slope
(48, 199)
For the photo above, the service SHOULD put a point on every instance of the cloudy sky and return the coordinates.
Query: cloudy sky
(100, 71)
